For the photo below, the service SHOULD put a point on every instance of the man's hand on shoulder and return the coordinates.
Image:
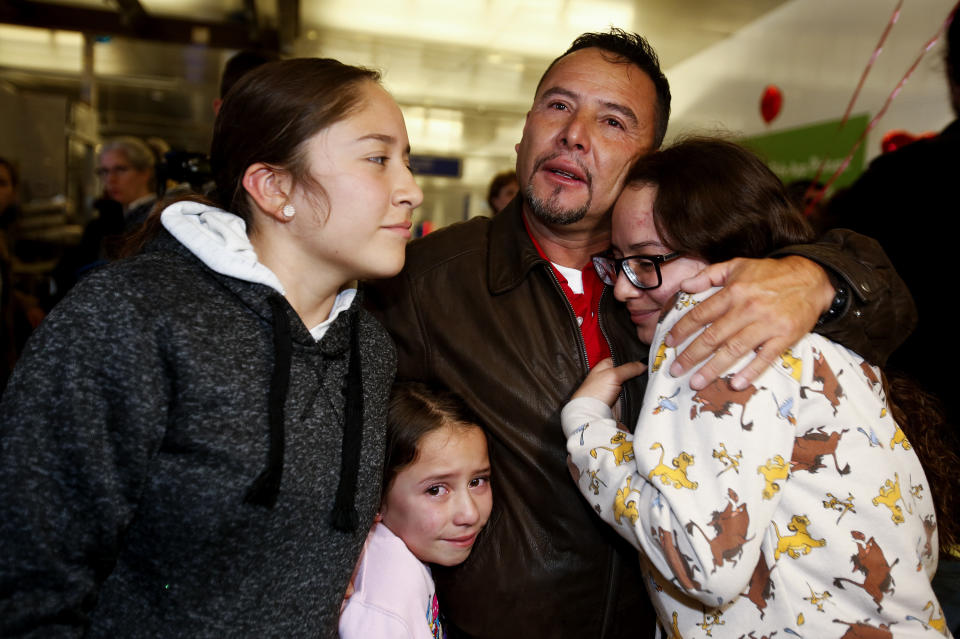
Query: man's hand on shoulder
(765, 306)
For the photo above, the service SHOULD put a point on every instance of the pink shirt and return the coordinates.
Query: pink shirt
(394, 594)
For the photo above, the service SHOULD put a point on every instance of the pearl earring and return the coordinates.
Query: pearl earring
(288, 211)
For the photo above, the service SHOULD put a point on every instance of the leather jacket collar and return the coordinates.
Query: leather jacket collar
(510, 253)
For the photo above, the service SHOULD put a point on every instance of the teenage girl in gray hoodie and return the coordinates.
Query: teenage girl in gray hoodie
(191, 444)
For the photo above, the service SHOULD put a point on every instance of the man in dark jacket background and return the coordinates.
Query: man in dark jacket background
(508, 313)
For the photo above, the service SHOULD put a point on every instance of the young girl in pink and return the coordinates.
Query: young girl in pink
(436, 500)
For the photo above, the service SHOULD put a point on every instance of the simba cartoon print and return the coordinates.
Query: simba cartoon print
(794, 507)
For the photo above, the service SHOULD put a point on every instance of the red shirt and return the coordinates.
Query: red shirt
(586, 306)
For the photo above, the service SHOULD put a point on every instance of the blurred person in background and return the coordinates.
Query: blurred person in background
(503, 188)
(9, 181)
(125, 166)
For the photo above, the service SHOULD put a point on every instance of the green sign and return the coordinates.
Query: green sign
(796, 154)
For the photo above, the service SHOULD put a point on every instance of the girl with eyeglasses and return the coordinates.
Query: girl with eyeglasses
(795, 505)
(192, 443)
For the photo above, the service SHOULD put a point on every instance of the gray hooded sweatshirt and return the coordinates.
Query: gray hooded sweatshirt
(181, 457)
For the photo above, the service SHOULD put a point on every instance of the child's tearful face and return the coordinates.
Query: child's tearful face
(439, 503)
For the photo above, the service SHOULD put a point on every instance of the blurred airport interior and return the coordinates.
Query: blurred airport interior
(75, 72)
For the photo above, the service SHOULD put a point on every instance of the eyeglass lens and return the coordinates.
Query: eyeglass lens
(642, 273)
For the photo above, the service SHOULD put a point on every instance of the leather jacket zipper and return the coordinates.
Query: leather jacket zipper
(607, 620)
(573, 316)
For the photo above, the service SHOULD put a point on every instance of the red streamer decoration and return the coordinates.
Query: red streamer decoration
(814, 195)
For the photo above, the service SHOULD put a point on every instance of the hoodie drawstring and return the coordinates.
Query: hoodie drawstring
(344, 516)
(265, 488)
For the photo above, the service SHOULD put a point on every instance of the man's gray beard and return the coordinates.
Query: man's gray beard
(549, 212)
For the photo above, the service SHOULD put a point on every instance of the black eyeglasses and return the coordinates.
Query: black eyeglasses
(643, 271)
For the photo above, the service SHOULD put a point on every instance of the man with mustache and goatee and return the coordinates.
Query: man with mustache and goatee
(508, 313)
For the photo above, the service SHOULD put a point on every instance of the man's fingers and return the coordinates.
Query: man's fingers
(713, 275)
(731, 350)
(712, 309)
(767, 339)
(765, 358)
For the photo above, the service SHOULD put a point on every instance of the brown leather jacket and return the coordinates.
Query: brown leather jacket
(477, 309)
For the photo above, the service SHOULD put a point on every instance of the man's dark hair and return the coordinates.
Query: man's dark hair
(629, 48)
(241, 64)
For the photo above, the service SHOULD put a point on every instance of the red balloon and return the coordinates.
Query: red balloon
(770, 103)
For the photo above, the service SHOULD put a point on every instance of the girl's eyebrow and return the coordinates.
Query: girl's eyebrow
(645, 245)
(382, 137)
(438, 478)
(453, 475)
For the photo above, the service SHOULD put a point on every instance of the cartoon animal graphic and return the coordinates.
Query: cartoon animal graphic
(581, 429)
(730, 526)
(889, 496)
(800, 542)
(785, 410)
(665, 402)
(929, 525)
(900, 438)
(676, 475)
(871, 436)
(684, 300)
(595, 482)
(917, 491)
(863, 630)
(773, 471)
(678, 562)
(791, 363)
(675, 628)
(729, 461)
(818, 599)
(711, 619)
(624, 508)
(761, 586)
(871, 375)
(658, 359)
(810, 448)
(842, 506)
(719, 396)
(830, 384)
(622, 449)
(939, 624)
(870, 562)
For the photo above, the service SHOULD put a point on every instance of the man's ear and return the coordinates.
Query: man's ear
(269, 188)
